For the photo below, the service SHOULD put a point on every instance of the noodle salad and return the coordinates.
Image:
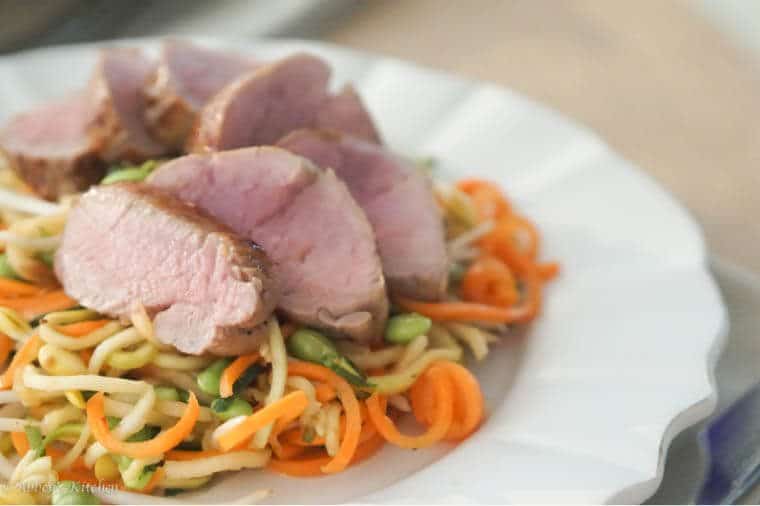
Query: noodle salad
(98, 401)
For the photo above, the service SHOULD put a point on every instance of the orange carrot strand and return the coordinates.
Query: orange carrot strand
(24, 356)
(233, 371)
(350, 406)
(155, 447)
(442, 418)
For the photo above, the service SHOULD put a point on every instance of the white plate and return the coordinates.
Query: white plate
(582, 408)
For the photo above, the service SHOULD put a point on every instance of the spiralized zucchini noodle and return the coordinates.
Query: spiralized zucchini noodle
(95, 400)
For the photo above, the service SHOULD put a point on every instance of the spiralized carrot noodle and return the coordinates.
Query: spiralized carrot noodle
(350, 406)
(308, 467)
(24, 356)
(489, 281)
(469, 405)
(548, 271)
(292, 404)
(37, 305)
(6, 345)
(155, 447)
(233, 371)
(325, 393)
(442, 416)
(487, 197)
(13, 288)
(82, 328)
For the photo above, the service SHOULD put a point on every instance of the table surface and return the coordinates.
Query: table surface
(655, 79)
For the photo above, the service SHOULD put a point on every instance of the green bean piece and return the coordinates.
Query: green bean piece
(71, 492)
(401, 329)
(312, 346)
(166, 393)
(134, 174)
(34, 436)
(230, 407)
(208, 379)
(6, 271)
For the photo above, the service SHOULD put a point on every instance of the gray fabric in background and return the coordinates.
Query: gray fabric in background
(37, 23)
(737, 371)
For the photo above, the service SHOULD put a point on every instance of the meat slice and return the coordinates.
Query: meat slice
(262, 106)
(186, 78)
(117, 93)
(345, 112)
(399, 202)
(50, 147)
(319, 240)
(129, 243)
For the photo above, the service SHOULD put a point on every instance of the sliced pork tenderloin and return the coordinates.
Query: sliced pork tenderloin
(51, 149)
(399, 202)
(186, 78)
(319, 240)
(127, 244)
(345, 112)
(260, 107)
(117, 91)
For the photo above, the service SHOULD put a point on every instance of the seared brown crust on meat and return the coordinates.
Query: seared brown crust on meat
(248, 258)
(53, 178)
(249, 263)
(117, 143)
(168, 116)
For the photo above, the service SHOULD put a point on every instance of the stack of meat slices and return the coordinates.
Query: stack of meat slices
(289, 202)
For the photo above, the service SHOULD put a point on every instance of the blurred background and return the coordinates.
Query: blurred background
(673, 85)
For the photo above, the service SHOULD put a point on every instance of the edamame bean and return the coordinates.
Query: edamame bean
(131, 173)
(166, 393)
(230, 407)
(401, 329)
(71, 492)
(208, 379)
(312, 346)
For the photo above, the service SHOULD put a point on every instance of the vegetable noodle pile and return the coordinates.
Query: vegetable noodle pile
(88, 400)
